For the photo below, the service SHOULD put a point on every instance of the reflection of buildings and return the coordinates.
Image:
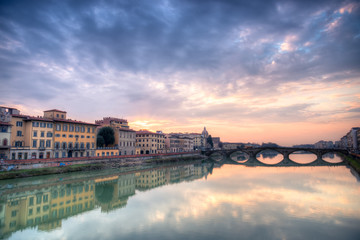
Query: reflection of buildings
(268, 154)
(45, 204)
(113, 192)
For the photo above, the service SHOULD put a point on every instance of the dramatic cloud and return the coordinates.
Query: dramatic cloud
(185, 63)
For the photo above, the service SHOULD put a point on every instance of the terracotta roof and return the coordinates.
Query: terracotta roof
(29, 118)
(74, 121)
(54, 110)
(5, 123)
(147, 132)
(126, 130)
(8, 107)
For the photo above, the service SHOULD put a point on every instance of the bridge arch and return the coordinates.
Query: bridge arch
(270, 156)
(303, 157)
(239, 156)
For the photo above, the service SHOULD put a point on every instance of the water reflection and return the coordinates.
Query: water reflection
(45, 204)
(303, 157)
(189, 201)
(239, 156)
(332, 157)
(269, 157)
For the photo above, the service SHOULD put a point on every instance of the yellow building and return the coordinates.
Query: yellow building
(72, 138)
(149, 142)
(31, 137)
(150, 179)
(106, 151)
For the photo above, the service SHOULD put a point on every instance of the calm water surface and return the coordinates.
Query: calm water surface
(186, 201)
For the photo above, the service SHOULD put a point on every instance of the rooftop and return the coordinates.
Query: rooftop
(55, 110)
(5, 123)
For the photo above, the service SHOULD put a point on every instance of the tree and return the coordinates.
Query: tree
(210, 141)
(100, 142)
(108, 136)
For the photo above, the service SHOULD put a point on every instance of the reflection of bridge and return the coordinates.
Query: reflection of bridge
(253, 161)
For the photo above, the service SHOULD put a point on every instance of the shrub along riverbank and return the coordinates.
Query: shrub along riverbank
(353, 162)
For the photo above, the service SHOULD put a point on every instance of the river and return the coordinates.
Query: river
(190, 200)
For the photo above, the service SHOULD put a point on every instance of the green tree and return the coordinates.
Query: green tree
(100, 142)
(210, 141)
(108, 135)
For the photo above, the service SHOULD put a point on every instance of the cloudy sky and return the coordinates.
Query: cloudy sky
(258, 71)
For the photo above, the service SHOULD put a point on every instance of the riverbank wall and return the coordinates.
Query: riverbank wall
(11, 165)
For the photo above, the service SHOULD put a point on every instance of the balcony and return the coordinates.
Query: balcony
(41, 148)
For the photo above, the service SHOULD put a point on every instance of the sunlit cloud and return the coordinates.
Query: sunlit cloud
(251, 68)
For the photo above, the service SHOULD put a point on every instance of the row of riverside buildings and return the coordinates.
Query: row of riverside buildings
(350, 141)
(53, 135)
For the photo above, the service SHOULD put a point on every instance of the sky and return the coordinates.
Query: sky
(250, 71)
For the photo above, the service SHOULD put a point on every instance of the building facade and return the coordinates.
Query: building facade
(176, 142)
(126, 141)
(5, 136)
(125, 138)
(149, 142)
(31, 137)
(72, 138)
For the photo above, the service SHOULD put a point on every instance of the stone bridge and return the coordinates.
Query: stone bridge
(253, 161)
(285, 151)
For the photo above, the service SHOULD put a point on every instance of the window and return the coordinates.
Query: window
(56, 155)
(57, 115)
(42, 143)
(48, 143)
(87, 145)
(82, 145)
(50, 125)
(77, 128)
(93, 130)
(13, 213)
(19, 124)
(71, 128)
(43, 125)
(30, 211)
(4, 129)
(58, 127)
(82, 136)
(57, 135)
(71, 136)
(49, 134)
(64, 145)
(64, 135)
(88, 129)
(19, 133)
(35, 133)
(45, 198)
(38, 201)
(65, 127)
(42, 134)
(82, 129)
(34, 143)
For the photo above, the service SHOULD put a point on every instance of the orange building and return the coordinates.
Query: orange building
(72, 138)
